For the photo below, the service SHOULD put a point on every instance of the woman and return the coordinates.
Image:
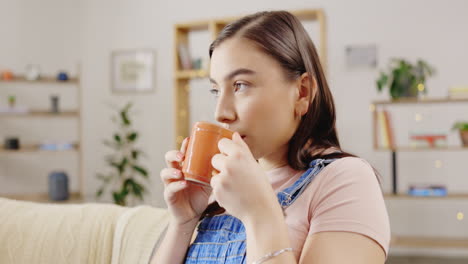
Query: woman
(286, 193)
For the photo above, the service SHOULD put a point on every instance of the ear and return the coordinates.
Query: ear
(306, 89)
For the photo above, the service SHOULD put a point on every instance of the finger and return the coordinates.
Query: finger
(227, 146)
(184, 146)
(173, 159)
(238, 139)
(218, 162)
(172, 189)
(169, 175)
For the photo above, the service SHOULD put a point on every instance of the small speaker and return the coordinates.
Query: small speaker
(12, 143)
(58, 186)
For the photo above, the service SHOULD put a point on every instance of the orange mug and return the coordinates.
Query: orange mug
(203, 145)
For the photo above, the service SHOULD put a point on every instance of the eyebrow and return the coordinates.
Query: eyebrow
(235, 73)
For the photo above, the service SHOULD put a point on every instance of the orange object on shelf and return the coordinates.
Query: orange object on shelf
(7, 75)
(430, 139)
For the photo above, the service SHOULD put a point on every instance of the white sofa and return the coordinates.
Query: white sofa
(79, 233)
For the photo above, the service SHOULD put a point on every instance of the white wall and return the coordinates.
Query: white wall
(433, 30)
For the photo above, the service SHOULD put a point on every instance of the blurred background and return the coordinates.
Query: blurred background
(90, 90)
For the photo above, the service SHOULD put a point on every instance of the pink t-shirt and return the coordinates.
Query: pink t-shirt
(344, 196)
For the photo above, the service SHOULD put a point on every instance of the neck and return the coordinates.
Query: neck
(274, 160)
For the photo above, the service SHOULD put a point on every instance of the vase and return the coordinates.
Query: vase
(464, 137)
(58, 186)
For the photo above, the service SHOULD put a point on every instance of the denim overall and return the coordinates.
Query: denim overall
(221, 238)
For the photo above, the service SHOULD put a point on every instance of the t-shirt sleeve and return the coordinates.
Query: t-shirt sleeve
(349, 199)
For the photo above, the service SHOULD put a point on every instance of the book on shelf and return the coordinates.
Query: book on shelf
(428, 140)
(458, 92)
(427, 190)
(385, 130)
(56, 146)
(185, 57)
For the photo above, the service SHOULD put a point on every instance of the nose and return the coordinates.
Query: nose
(225, 109)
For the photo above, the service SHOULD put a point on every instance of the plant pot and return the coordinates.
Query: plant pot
(464, 137)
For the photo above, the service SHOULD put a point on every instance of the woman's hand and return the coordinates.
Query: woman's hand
(241, 186)
(186, 202)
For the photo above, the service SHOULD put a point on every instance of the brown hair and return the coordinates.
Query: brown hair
(282, 36)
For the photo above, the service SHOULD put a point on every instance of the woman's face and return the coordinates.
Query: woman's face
(254, 98)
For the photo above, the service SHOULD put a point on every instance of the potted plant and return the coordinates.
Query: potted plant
(125, 171)
(462, 127)
(405, 79)
(11, 101)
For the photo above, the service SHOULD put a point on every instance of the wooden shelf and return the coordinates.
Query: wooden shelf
(428, 242)
(36, 148)
(421, 101)
(453, 196)
(75, 197)
(47, 80)
(191, 74)
(193, 26)
(39, 113)
(416, 149)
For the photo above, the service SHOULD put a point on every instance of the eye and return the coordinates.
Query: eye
(240, 86)
(214, 92)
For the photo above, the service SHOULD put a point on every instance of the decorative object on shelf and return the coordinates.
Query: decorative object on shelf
(361, 56)
(54, 103)
(132, 71)
(56, 146)
(462, 127)
(7, 75)
(405, 79)
(12, 143)
(33, 72)
(385, 138)
(62, 76)
(125, 167)
(11, 101)
(458, 92)
(58, 186)
(185, 58)
(427, 190)
(428, 140)
(197, 64)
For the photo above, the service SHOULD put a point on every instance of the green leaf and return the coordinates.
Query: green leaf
(140, 170)
(135, 154)
(124, 117)
(132, 136)
(119, 198)
(99, 192)
(461, 125)
(382, 81)
(117, 138)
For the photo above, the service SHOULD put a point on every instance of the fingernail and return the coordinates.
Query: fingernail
(180, 156)
(176, 174)
(183, 183)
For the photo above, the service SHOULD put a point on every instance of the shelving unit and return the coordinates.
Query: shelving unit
(417, 242)
(34, 149)
(214, 26)
(397, 149)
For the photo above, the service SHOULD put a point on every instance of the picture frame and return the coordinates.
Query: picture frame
(132, 71)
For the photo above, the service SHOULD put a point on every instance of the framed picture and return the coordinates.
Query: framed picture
(132, 71)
